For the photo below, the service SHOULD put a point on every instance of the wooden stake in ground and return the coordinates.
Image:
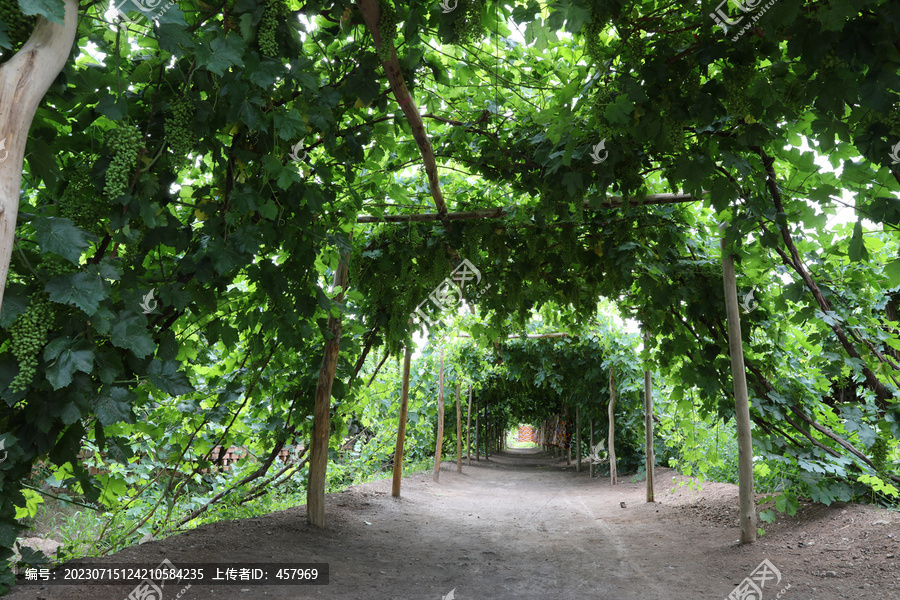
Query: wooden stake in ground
(439, 442)
(741, 399)
(591, 467)
(477, 447)
(648, 428)
(577, 440)
(458, 429)
(401, 428)
(468, 430)
(612, 430)
(24, 80)
(318, 453)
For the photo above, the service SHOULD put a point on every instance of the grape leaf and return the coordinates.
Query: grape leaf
(60, 236)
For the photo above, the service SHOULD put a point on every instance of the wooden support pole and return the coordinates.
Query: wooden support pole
(477, 433)
(591, 467)
(318, 453)
(468, 430)
(741, 398)
(439, 442)
(401, 427)
(577, 440)
(458, 429)
(611, 442)
(648, 428)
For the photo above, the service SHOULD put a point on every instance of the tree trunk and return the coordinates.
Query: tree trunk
(439, 442)
(318, 454)
(741, 400)
(648, 429)
(612, 430)
(477, 431)
(24, 80)
(401, 427)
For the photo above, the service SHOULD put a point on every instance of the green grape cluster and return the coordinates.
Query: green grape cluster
(79, 204)
(54, 266)
(692, 85)
(879, 454)
(387, 29)
(892, 120)
(125, 143)
(28, 335)
(178, 127)
(18, 26)
(592, 40)
(674, 133)
(274, 11)
(831, 65)
(737, 84)
(468, 22)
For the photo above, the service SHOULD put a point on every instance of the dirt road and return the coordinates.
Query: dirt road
(524, 526)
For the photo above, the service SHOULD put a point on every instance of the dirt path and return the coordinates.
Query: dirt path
(525, 526)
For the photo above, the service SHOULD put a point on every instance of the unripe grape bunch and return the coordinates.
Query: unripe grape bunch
(28, 335)
(178, 122)
(125, 144)
(18, 26)
(274, 11)
(387, 29)
(468, 22)
(79, 204)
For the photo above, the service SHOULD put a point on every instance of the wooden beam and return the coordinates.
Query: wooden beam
(741, 399)
(439, 442)
(371, 12)
(500, 212)
(318, 454)
(24, 81)
(401, 428)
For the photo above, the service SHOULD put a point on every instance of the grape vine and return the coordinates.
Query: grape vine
(274, 11)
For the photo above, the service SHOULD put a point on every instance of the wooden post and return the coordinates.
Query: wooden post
(439, 442)
(468, 430)
(477, 447)
(486, 436)
(24, 80)
(741, 399)
(401, 427)
(611, 442)
(318, 452)
(648, 428)
(577, 440)
(458, 429)
(591, 467)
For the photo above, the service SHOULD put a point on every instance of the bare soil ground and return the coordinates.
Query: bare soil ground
(524, 525)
